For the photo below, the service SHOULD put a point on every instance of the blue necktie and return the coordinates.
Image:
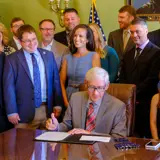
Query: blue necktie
(37, 82)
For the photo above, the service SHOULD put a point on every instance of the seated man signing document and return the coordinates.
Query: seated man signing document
(93, 110)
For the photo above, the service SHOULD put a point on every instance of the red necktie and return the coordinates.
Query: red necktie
(90, 122)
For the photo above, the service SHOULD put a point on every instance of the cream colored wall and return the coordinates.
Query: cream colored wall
(32, 11)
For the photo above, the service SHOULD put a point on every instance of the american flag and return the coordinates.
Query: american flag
(94, 18)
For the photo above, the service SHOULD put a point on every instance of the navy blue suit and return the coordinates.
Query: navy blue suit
(19, 89)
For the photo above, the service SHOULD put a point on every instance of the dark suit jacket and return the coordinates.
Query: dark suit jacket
(61, 37)
(13, 44)
(144, 74)
(115, 40)
(4, 124)
(19, 89)
(154, 37)
(111, 117)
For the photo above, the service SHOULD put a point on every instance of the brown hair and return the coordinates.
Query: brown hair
(25, 29)
(47, 20)
(128, 8)
(90, 37)
(69, 10)
(16, 19)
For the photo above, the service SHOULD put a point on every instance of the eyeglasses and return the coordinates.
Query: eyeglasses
(17, 26)
(47, 29)
(27, 41)
(99, 89)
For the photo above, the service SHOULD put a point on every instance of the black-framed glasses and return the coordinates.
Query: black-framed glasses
(99, 88)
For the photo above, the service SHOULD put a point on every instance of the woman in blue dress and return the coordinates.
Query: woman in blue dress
(82, 58)
(108, 55)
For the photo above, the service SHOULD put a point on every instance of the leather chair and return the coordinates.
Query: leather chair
(127, 94)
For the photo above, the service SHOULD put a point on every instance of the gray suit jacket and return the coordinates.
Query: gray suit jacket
(115, 40)
(59, 50)
(111, 117)
(12, 43)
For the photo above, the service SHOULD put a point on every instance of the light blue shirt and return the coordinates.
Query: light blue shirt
(48, 47)
(142, 47)
(96, 105)
(41, 69)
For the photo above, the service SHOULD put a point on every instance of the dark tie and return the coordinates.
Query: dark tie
(37, 82)
(90, 122)
(138, 52)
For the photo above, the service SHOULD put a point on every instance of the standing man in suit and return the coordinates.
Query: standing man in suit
(15, 24)
(120, 39)
(70, 19)
(47, 29)
(140, 66)
(93, 110)
(31, 83)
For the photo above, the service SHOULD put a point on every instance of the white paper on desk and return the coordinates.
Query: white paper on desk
(95, 138)
(52, 136)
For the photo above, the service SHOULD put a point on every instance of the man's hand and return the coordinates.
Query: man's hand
(57, 111)
(79, 131)
(14, 118)
(52, 123)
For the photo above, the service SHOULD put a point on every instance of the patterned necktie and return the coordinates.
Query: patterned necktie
(138, 52)
(37, 82)
(126, 36)
(90, 122)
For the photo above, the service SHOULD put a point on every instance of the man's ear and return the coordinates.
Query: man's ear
(131, 18)
(107, 86)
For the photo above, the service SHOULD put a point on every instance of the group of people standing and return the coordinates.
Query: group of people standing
(41, 77)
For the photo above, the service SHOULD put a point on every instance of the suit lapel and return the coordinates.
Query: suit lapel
(102, 109)
(84, 109)
(120, 40)
(130, 45)
(14, 44)
(144, 52)
(23, 61)
(45, 60)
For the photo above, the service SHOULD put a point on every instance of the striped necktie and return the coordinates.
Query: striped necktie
(90, 122)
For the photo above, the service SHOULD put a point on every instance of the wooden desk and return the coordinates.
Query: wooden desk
(19, 144)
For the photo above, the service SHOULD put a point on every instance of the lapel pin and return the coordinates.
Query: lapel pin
(44, 52)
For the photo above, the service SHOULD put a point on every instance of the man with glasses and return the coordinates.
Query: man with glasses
(47, 29)
(93, 110)
(31, 83)
(15, 24)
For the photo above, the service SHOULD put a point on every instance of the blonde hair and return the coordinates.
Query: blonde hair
(101, 43)
(4, 32)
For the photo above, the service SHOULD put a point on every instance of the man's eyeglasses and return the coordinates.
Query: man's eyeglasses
(29, 40)
(17, 26)
(99, 89)
(47, 29)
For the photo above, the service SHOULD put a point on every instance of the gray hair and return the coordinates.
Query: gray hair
(97, 73)
(139, 21)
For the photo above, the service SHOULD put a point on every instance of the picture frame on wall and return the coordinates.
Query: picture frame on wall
(147, 9)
